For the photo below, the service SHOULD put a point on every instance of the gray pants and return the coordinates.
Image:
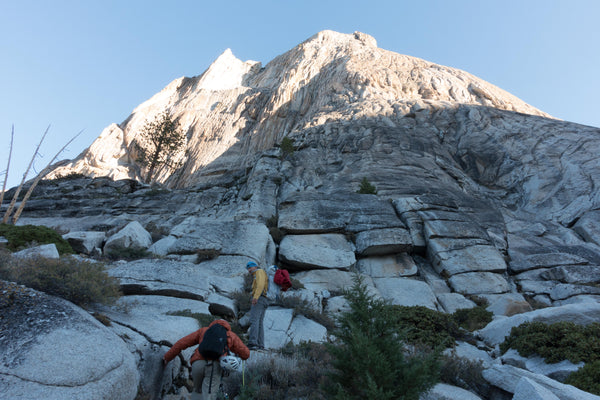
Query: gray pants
(207, 379)
(256, 333)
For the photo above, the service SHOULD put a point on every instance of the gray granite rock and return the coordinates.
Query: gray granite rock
(85, 241)
(317, 251)
(36, 328)
(479, 283)
(379, 242)
(507, 378)
(406, 292)
(43, 251)
(133, 235)
(388, 266)
(581, 314)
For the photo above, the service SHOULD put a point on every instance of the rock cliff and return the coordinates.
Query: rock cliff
(477, 195)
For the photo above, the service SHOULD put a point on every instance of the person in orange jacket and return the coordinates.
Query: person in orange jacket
(206, 374)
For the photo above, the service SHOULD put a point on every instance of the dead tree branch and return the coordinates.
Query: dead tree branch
(11, 206)
(12, 137)
(38, 178)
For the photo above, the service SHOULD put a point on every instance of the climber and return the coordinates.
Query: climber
(260, 285)
(214, 343)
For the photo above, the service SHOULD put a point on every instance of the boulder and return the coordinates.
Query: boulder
(469, 259)
(317, 251)
(210, 237)
(132, 236)
(406, 292)
(507, 378)
(558, 371)
(276, 324)
(528, 389)
(379, 242)
(443, 391)
(43, 251)
(312, 212)
(588, 226)
(581, 314)
(85, 241)
(221, 306)
(506, 303)
(388, 266)
(303, 329)
(573, 274)
(471, 353)
(51, 349)
(478, 283)
(332, 280)
(152, 316)
(451, 302)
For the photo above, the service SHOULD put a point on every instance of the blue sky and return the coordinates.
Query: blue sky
(82, 65)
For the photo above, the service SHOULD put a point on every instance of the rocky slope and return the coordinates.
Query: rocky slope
(478, 194)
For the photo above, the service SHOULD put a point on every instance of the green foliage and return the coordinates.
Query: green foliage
(472, 319)
(297, 372)
(366, 187)
(586, 378)
(302, 306)
(287, 147)
(369, 359)
(555, 342)
(81, 282)
(465, 373)
(22, 236)
(162, 139)
(424, 326)
(127, 253)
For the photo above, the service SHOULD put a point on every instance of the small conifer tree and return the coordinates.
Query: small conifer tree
(369, 359)
(366, 187)
(162, 138)
(287, 147)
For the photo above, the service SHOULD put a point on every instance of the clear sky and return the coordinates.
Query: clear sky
(82, 65)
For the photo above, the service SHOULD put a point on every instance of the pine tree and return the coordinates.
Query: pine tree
(369, 357)
(366, 187)
(162, 138)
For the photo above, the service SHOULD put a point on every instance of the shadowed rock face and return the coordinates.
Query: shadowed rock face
(355, 110)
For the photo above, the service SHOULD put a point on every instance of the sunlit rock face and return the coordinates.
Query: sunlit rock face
(236, 109)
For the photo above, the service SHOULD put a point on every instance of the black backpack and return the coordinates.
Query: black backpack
(214, 342)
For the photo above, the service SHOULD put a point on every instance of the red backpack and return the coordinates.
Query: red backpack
(282, 279)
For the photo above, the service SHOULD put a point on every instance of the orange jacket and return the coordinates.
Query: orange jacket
(234, 343)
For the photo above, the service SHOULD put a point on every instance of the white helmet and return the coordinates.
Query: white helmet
(230, 363)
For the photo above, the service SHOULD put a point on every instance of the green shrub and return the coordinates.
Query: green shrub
(472, 319)
(424, 326)
(297, 372)
(366, 187)
(22, 236)
(586, 378)
(555, 342)
(301, 306)
(465, 373)
(287, 147)
(369, 358)
(81, 282)
(127, 253)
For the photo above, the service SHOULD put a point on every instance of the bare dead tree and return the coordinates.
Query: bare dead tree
(38, 178)
(12, 137)
(11, 206)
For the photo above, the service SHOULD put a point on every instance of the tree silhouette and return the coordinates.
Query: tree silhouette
(162, 138)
